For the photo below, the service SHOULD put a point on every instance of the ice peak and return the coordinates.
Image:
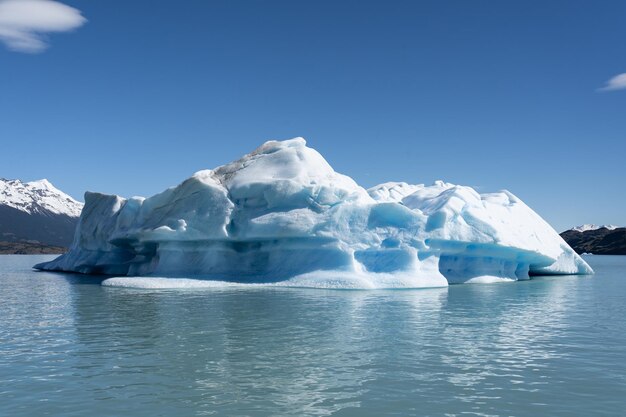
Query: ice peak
(288, 169)
(272, 146)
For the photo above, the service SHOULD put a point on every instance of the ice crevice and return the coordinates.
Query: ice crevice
(282, 216)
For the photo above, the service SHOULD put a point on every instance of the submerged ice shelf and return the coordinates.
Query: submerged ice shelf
(282, 215)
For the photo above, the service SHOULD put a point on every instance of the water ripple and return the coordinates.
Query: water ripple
(550, 346)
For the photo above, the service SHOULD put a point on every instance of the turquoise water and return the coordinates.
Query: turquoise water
(546, 347)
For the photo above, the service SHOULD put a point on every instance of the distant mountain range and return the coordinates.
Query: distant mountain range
(36, 217)
(599, 240)
(587, 227)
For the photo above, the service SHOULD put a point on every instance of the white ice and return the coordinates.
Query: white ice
(282, 216)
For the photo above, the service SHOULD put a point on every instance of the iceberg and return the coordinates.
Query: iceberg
(281, 215)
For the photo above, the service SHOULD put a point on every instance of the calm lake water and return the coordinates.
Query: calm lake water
(546, 347)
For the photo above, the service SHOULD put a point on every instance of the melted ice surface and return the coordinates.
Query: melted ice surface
(282, 216)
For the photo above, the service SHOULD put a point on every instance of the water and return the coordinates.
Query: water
(550, 346)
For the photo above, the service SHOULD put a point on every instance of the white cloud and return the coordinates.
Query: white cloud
(25, 23)
(616, 83)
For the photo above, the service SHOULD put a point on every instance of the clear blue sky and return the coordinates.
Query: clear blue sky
(492, 94)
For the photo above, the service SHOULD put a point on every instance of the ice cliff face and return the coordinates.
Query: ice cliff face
(281, 213)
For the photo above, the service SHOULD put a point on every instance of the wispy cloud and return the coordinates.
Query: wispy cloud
(24, 24)
(616, 83)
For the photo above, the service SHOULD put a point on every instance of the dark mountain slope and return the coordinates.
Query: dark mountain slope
(602, 241)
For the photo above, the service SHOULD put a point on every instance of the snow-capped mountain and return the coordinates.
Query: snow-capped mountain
(37, 211)
(37, 197)
(587, 227)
